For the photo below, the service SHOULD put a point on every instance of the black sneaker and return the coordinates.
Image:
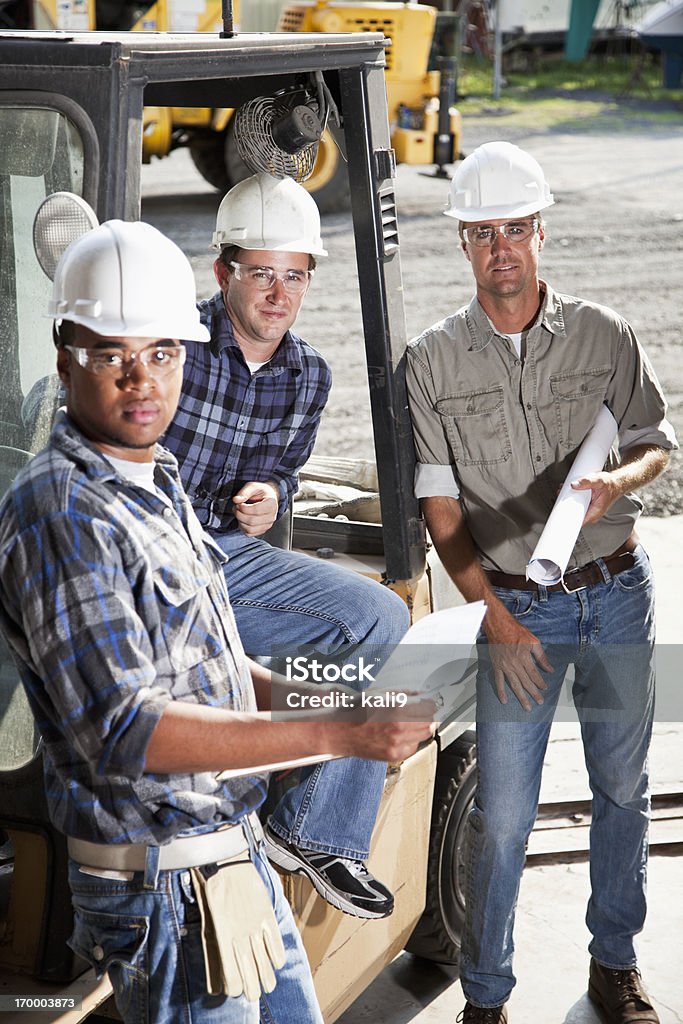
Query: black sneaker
(482, 1015)
(346, 884)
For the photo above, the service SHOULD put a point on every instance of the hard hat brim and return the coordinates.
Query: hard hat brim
(502, 212)
(267, 245)
(188, 331)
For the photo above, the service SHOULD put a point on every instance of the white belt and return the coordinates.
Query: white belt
(186, 852)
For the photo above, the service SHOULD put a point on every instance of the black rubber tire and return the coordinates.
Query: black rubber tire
(437, 934)
(208, 155)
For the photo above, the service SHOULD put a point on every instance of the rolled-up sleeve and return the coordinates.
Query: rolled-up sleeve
(431, 446)
(661, 434)
(435, 474)
(436, 481)
(635, 397)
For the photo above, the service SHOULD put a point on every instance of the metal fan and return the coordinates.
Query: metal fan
(280, 134)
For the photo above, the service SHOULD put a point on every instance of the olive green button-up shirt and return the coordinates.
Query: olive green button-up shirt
(508, 428)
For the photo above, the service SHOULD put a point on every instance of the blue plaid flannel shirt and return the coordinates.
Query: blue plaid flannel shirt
(114, 604)
(232, 427)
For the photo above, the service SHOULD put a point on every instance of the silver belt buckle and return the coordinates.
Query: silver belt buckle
(572, 590)
(252, 822)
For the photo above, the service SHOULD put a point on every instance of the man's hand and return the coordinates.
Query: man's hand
(197, 738)
(605, 491)
(515, 651)
(255, 506)
(639, 465)
(516, 655)
(379, 741)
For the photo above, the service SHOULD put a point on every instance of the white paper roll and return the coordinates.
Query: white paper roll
(555, 545)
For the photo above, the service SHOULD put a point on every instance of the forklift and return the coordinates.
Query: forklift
(420, 75)
(72, 121)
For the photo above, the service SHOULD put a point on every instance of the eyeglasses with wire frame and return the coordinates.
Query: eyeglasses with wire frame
(293, 281)
(512, 230)
(158, 360)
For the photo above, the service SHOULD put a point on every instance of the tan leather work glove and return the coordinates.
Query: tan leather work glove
(242, 941)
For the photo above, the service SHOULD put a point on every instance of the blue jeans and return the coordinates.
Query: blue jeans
(296, 601)
(607, 633)
(149, 939)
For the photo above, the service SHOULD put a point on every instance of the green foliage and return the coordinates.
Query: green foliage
(553, 86)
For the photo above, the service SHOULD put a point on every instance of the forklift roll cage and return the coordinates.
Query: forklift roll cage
(101, 82)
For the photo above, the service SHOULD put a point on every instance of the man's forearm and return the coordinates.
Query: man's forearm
(640, 465)
(199, 738)
(517, 653)
(455, 547)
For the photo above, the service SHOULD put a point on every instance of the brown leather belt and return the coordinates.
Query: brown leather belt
(576, 579)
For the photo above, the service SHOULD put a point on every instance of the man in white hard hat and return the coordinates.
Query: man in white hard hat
(502, 393)
(247, 420)
(114, 605)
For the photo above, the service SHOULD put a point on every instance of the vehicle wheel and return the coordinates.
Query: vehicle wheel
(328, 184)
(437, 933)
(208, 155)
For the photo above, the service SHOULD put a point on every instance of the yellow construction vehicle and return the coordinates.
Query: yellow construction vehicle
(414, 93)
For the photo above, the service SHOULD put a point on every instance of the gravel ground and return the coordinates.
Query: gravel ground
(614, 236)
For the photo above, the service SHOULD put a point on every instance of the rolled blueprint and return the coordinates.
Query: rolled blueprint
(555, 545)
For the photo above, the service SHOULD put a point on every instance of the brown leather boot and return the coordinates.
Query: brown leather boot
(620, 995)
(482, 1015)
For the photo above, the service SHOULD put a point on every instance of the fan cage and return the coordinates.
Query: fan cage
(255, 143)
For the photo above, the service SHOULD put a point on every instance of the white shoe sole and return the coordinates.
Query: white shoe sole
(294, 866)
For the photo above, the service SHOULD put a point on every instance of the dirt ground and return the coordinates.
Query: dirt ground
(614, 236)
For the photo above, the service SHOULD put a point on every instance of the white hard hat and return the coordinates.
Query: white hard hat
(128, 281)
(263, 212)
(498, 180)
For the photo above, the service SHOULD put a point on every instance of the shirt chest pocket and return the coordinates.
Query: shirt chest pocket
(189, 633)
(474, 423)
(577, 397)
